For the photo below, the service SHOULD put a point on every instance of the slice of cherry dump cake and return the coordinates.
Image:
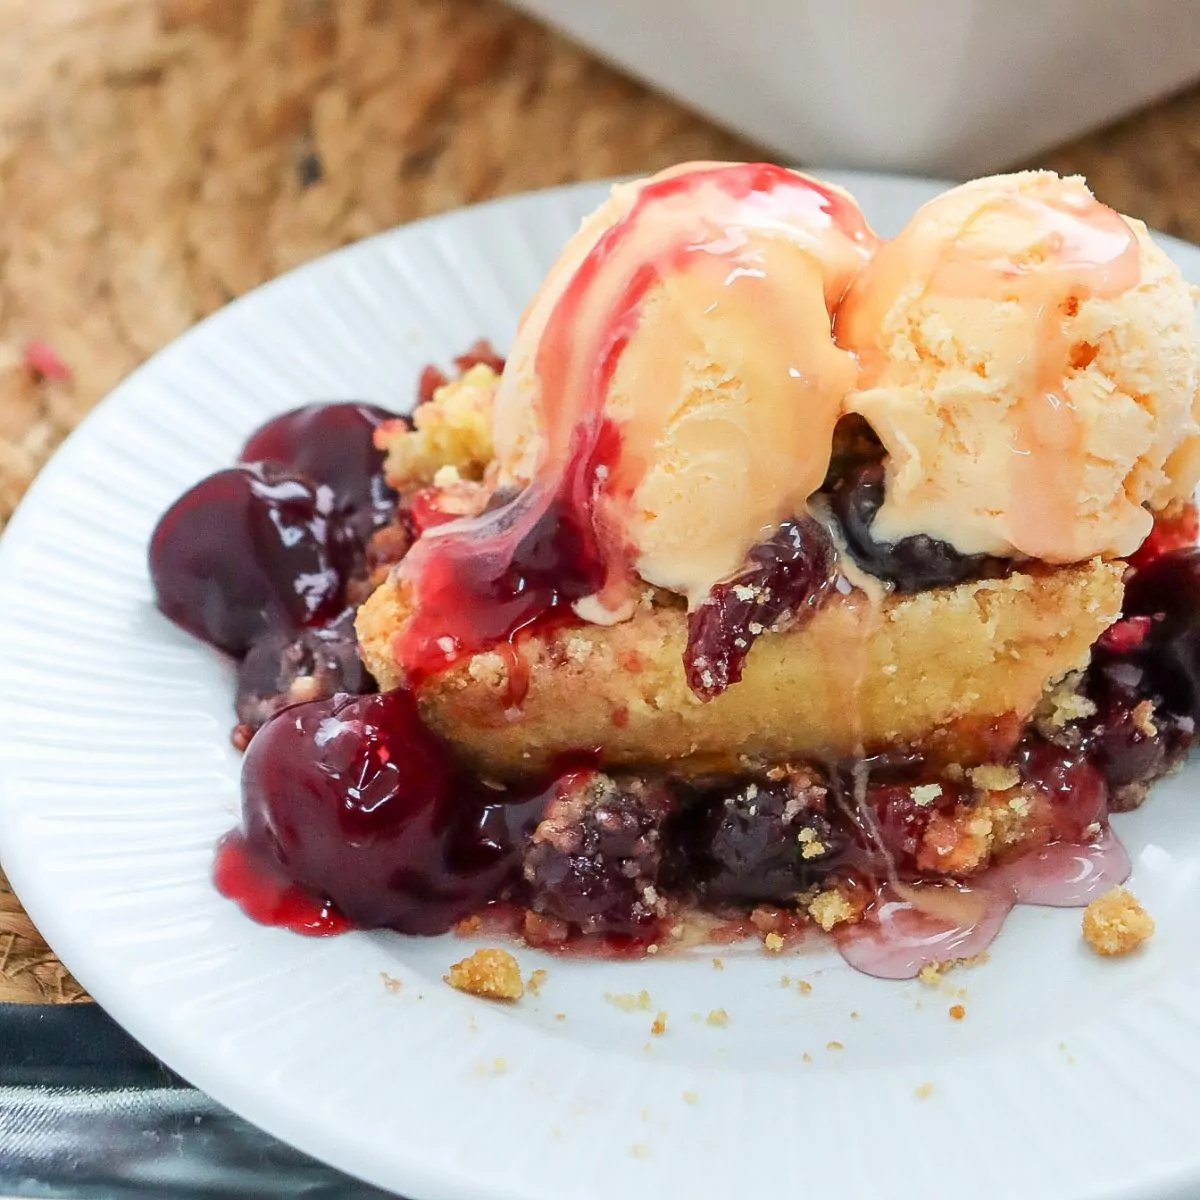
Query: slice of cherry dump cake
(781, 577)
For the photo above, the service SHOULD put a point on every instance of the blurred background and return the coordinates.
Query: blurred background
(160, 157)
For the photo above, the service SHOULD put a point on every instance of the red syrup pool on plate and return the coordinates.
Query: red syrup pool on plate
(909, 926)
(1064, 874)
(269, 897)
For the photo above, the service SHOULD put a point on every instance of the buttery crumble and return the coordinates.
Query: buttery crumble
(491, 973)
(1116, 923)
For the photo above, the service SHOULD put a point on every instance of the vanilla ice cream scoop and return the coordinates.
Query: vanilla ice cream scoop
(1030, 362)
(682, 344)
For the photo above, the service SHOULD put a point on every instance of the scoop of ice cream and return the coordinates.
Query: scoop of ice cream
(1029, 361)
(686, 330)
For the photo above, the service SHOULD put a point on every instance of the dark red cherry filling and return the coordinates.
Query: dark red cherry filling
(469, 600)
(758, 842)
(913, 563)
(357, 801)
(332, 444)
(593, 861)
(891, 823)
(285, 667)
(782, 584)
(258, 560)
(1074, 786)
(245, 551)
(1167, 591)
(270, 545)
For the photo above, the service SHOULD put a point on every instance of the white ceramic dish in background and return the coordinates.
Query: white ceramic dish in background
(950, 87)
(1070, 1079)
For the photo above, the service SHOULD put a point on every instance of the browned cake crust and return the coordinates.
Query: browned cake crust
(952, 671)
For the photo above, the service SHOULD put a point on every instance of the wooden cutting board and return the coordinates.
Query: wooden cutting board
(159, 157)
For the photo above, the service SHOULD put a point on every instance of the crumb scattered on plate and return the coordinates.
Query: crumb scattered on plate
(718, 1016)
(491, 973)
(1116, 923)
(628, 1002)
(660, 1024)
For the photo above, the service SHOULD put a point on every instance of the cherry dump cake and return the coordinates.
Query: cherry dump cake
(780, 577)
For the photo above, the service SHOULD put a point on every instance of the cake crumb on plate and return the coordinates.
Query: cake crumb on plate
(1116, 923)
(628, 1002)
(491, 973)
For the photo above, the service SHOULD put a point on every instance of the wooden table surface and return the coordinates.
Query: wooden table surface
(159, 157)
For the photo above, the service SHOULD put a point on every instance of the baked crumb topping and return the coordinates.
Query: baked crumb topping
(454, 429)
(830, 908)
(491, 973)
(1062, 704)
(1116, 923)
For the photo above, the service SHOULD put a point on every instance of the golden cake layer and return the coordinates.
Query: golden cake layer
(953, 672)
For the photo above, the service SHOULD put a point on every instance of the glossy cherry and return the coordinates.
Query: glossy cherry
(1074, 786)
(357, 801)
(892, 822)
(477, 599)
(333, 444)
(758, 843)
(245, 551)
(284, 667)
(784, 581)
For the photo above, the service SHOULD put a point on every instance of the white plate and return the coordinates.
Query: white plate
(1070, 1077)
